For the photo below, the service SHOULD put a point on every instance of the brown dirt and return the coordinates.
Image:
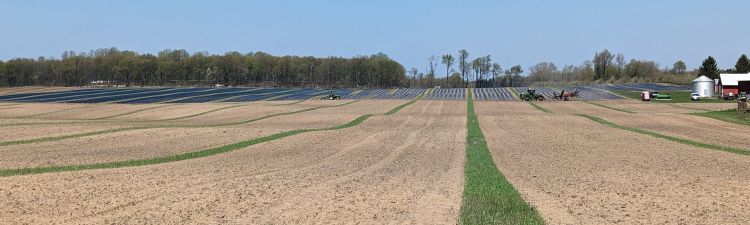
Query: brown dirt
(575, 107)
(709, 106)
(248, 111)
(327, 116)
(405, 168)
(121, 146)
(576, 171)
(170, 112)
(308, 103)
(692, 127)
(646, 107)
(686, 126)
(37, 131)
(505, 108)
(33, 89)
(99, 111)
(165, 141)
(30, 120)
(34, 109)
(138, 144)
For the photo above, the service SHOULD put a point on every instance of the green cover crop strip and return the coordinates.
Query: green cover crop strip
(539, 107)
(488, 197)
(609, 107)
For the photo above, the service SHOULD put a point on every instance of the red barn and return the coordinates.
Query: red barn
(734, 83)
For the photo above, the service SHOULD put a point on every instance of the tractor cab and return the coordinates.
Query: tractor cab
(531, 95)
(331, 96)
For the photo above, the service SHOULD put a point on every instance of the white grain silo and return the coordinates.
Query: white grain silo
(704, 86)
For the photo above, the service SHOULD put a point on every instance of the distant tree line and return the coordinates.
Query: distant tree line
(462, 71)
(604, 67)
(111, 66)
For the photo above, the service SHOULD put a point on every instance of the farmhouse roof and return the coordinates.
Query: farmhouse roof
(732, 79)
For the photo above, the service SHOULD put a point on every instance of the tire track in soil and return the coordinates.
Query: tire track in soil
(219, 179)
(145, 127)
(369, 137)
(303, 166)
(368, 168)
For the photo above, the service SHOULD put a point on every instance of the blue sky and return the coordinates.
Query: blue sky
(512, 31)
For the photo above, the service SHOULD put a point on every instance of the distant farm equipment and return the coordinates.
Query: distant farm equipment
(331, 96)
(648, 95)
(531, 95)
(565, 96)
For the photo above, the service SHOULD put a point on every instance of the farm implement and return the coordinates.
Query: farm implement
(565, 96)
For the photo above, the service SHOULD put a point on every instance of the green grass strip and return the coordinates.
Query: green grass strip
(488, 197)
(539, 107)
(398, 108)
(57, 138)
(667, 137)
(730, 115)
(178, 157)
(609, 107)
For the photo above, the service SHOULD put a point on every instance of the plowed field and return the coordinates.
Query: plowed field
(346, 162)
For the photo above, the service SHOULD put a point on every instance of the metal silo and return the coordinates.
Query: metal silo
(704, 86)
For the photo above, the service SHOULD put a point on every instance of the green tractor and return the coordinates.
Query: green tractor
(531, 95)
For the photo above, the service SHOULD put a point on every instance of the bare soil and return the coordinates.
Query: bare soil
(681, 125)
(709, 106)
(505, 108)
(403, 168)
(148, 143)
(100, 111)
(576, 107)
(135, 144)
(39, 110)
(646, 107)
(326, 116)
(576, 171)
(37, 131)
(33, 89)
(171, 112)
(248, 111)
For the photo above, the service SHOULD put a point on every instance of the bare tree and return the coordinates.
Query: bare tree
(448, 60)
(464, 66)
(602, 61)
(497, 71)
(413, 75)
(433, 63)
(544, 71)
(620, 61)
(476, 65)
